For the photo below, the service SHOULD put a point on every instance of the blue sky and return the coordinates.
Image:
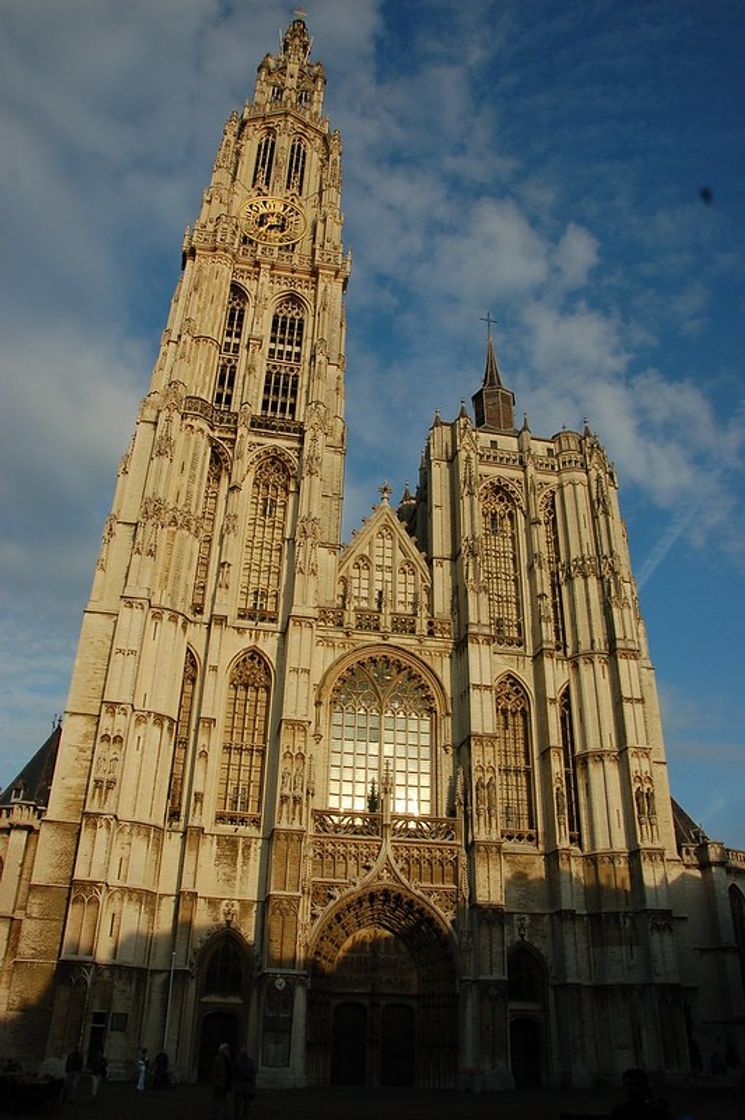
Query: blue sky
(541, 160)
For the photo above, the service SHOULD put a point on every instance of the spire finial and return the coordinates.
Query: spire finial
(488, 320)
(385, 493)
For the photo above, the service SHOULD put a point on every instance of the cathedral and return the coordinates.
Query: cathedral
(394, 812)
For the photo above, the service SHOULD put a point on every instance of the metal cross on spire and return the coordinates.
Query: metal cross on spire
(488, 320)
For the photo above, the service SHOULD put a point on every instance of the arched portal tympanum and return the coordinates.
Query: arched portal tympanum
(382, 993)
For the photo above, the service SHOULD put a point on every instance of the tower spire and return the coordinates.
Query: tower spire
(493, 404)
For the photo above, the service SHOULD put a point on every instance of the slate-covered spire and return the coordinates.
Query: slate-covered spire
(493, 405)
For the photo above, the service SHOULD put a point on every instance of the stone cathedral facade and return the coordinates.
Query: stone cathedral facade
(395, 812)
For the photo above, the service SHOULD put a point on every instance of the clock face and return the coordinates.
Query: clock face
(273, 221)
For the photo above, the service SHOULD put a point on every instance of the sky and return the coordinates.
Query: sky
(575, 168)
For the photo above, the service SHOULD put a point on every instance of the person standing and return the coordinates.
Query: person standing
(244, 1084)
(73, 1070)
(222, 1071)
(142, 1068)
(99, 1068)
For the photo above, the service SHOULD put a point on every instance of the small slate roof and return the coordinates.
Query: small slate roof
(34, 781)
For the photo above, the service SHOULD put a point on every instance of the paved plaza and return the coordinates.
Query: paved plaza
(120, 1101)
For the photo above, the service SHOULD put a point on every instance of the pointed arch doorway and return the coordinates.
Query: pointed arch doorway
(382, 995)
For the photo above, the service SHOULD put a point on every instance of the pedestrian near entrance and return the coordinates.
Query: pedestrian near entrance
(143, 1063)
(244, 1084)
(222, 1078)
(73, 1070)
(99, 1067)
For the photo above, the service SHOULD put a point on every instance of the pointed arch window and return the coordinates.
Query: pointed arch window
(383, 567)
(265, 531)
(360, 582)
(406, 588)
(296, 166)
(240, 792)
(737, 907)
(283, 360)
(382, 723)
(181, 743)
(551, 531)
(500, 565)
(515, 761)
(231, 344)
(207, 533)
(570, 774)
(224, 972)
(265, 155)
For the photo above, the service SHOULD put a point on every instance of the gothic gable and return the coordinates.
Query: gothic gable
(382, 566)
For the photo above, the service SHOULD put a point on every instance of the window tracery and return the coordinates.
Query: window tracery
(515, 759)
(231, 343)
(382, 719)
(283, 359)
(240, 790)
(181, 742)
(296, 166)
(263, 551)
(264, 163)
(500, 565)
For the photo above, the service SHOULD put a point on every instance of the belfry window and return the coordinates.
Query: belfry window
(296, 167)
(262, 558)
(240, 790)
(181, 742)
(283, 360)
(500, 565)
(382, 717)
(230, 349)
(265, 156)
(515, 760)
(570, 776)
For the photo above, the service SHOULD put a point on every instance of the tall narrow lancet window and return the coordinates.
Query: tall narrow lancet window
(230, 349)
(515, 760)
(265, 530)
(283, 360)
(296, 167)
(264, 159)
(552, 563)
(244, 743)
(382, 716)
(570, 775)
(737, 906)
(383, 568)
(181, 744)
(360, 582)
(500, 565)
(207, 534)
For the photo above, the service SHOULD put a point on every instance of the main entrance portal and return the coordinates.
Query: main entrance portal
(382, 1000)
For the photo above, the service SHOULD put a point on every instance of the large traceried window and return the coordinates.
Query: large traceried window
(265, 159)
(207, 533)
(231, 344)
(500, 565)
(283, 359)
(570, 775)
(552, 562)
(262, 556)
(296, 167)
(515, 760)
(181, 744)
(382, 727)
(244, 743)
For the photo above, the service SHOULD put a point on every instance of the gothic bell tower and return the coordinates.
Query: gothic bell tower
(187, 726)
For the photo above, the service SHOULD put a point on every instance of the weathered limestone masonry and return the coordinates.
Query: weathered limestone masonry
(393, 813)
